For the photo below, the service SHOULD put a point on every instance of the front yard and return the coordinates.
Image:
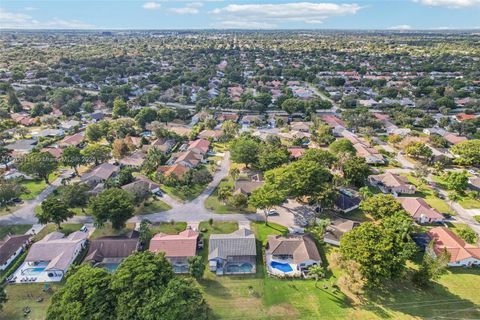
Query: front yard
(184, 194)
(219, 206)
(13, 229)
(152, 206)
(35, 187)
(425, 191)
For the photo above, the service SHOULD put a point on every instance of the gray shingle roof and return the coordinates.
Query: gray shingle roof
(238, 243)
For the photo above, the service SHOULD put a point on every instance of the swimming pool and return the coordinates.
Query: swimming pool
(33, 271)
(239, 268)
(284, 267)
(111, 267)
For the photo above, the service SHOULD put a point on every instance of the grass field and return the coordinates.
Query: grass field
(168, 228)
(26, 295)
(66, 229)
(14, 229)
(152, 207)
(193, 192)
(35, 187)
(426, 192)
(107, 230)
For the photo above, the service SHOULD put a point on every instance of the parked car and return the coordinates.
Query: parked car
(84, 228)
(272, 213)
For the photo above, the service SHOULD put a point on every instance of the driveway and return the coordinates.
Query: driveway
(26, 214)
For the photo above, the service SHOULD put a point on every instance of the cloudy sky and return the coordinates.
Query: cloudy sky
(240, 14)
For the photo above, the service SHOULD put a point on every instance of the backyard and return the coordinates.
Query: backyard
(13, 229)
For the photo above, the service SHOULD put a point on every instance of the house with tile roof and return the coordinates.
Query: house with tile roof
(233, 253)
(462, 254)
(391, 183)
(109, 251)
(200, 146)
(291, 256)
(337, 228)
(50, 258)
(178, 248)
(419, 210)
(10, 247)
(100, 174)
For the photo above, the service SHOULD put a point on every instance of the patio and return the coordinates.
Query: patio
(30, 272)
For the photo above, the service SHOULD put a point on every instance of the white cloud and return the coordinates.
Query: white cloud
(151, 5)
(401, 27)
(242, 25)
(190, 8)
(449, 3)
(274, 14)
(29, 8)
(11, 20)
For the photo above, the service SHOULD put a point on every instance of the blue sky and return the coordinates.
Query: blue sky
(241, 14)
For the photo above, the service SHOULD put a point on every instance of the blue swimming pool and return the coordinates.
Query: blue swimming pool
(239, 268)
(33, 271)
(111, 267)
(284, 267)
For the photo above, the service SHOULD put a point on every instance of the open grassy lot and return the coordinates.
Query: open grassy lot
(469, 203)
(168, 227)
(107, 230)
(152, 206)
(14, 229)
(186, 194)
(218, 206)
(26, 295)
(66, 228)
(35, 187)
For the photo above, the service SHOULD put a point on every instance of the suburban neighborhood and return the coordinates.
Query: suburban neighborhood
(239, 175)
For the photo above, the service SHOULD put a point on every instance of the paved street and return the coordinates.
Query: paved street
(26, 214)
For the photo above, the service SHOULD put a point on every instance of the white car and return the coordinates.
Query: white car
(272, 213)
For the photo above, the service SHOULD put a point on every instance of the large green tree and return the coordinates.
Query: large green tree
(96, 153)
(342, 146)
(40, 164)
(266, 197)
(244, 150)
(72, 157)
(381, 205)
(468, 152)
(382, 250)
(85, 295)
(53, 210)
(114, 205)
(355, 171)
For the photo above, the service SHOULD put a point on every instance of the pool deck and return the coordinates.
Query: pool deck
(280, 273)
(40, 277)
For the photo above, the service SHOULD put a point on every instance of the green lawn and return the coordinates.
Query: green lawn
(66, 229)
(262, 231)
(425, 191)
(76, 211)
(152, 207)
(8, 209)
(26, 295)
(184, 195)
(217, 227)
(107, 230)
(14, 229)
(35, 187)
(468, 203)
(168, 227)
(456, 227)
(218, 206)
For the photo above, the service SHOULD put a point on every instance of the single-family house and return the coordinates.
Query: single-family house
(227, 116)
(246, 186)
(337, 228)
(56, 152)
(291, 256)
(474, 183)
(462, 254)
(49, 259)
(233, 253)
(371, 155)
(251, 119)
(178, 248)
(200, 146)
(22, 146)
(419, 210)
(100, 174)
(300, 126)
(215, 135)
(10, 247)
(108, 252)
(134, 160)
(176, 169)
(76, 140)
(68, 125)
(391, 183)
(296, 152)
(347, 201)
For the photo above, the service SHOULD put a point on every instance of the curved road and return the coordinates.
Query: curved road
(193, 211)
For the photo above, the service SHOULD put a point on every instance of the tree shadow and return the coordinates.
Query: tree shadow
(214, 288)
(434, 302)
